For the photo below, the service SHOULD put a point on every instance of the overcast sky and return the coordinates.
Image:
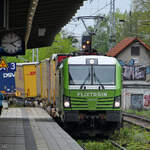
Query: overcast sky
(94, 8)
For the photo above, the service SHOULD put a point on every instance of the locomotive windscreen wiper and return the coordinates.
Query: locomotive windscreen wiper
(100, 84)
(88, 76)
(71, 79)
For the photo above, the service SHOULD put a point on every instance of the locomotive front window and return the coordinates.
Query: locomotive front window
(79, 74)
(104, 75)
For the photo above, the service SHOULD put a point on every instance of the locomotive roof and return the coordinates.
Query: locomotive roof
(101, 59)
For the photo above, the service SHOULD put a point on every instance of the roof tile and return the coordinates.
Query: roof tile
(123, 44)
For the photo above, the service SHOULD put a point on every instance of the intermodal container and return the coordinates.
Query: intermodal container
(53, 78)
(19, 80)
(26, 80)
(45, 68)
(38, 80)
(7, 78)
(30, 80)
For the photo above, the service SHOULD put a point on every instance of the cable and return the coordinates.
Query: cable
(101, 8)
(76, 26)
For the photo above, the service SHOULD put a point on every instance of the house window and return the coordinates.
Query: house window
(135, 51)
(136, 101)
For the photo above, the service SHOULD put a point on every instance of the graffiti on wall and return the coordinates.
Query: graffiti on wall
(134, 73)
(147, 100)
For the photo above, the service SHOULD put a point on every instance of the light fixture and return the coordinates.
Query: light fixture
(92, 61)
(67, 104)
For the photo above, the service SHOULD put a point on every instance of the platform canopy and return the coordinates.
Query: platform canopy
(37, 21)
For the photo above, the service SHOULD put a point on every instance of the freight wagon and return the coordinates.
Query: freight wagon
(28, 82)
(45, 81)
(50, 79)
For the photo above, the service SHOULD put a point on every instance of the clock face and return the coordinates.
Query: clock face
(11, 43)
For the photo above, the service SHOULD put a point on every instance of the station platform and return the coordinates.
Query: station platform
(32, 129)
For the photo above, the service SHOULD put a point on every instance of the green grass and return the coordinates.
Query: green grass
(144, 113)
(131, 137)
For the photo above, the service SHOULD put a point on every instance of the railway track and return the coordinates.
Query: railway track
(117, 145)
(133, 119)
(113, 143)
(137, 120)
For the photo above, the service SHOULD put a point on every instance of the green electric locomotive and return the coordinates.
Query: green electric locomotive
(90, 92)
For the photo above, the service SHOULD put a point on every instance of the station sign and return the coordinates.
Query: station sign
(3, 64)
(9, 67)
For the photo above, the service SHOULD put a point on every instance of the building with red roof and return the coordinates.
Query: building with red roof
(124, 44)
(134, 56)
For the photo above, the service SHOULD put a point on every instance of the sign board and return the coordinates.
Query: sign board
(1, 13)
(3, 64)
(11, 67)
(7, 66)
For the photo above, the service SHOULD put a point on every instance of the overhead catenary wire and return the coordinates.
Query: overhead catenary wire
(73, 30)
(107, 4)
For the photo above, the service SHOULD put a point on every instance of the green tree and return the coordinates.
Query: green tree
(101, 38)
(137, 23)
(128, 24)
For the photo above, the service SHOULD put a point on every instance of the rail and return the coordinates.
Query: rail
(117, 145)
(137, 120)
(112, 142)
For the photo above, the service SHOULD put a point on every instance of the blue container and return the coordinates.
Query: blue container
(7, 79)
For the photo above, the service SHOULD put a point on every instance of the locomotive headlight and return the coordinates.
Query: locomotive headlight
(117, 102)
(67, 104)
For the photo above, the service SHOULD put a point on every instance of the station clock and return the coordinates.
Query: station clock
(12, 44)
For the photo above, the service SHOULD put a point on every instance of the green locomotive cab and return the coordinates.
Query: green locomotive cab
(90, 89)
